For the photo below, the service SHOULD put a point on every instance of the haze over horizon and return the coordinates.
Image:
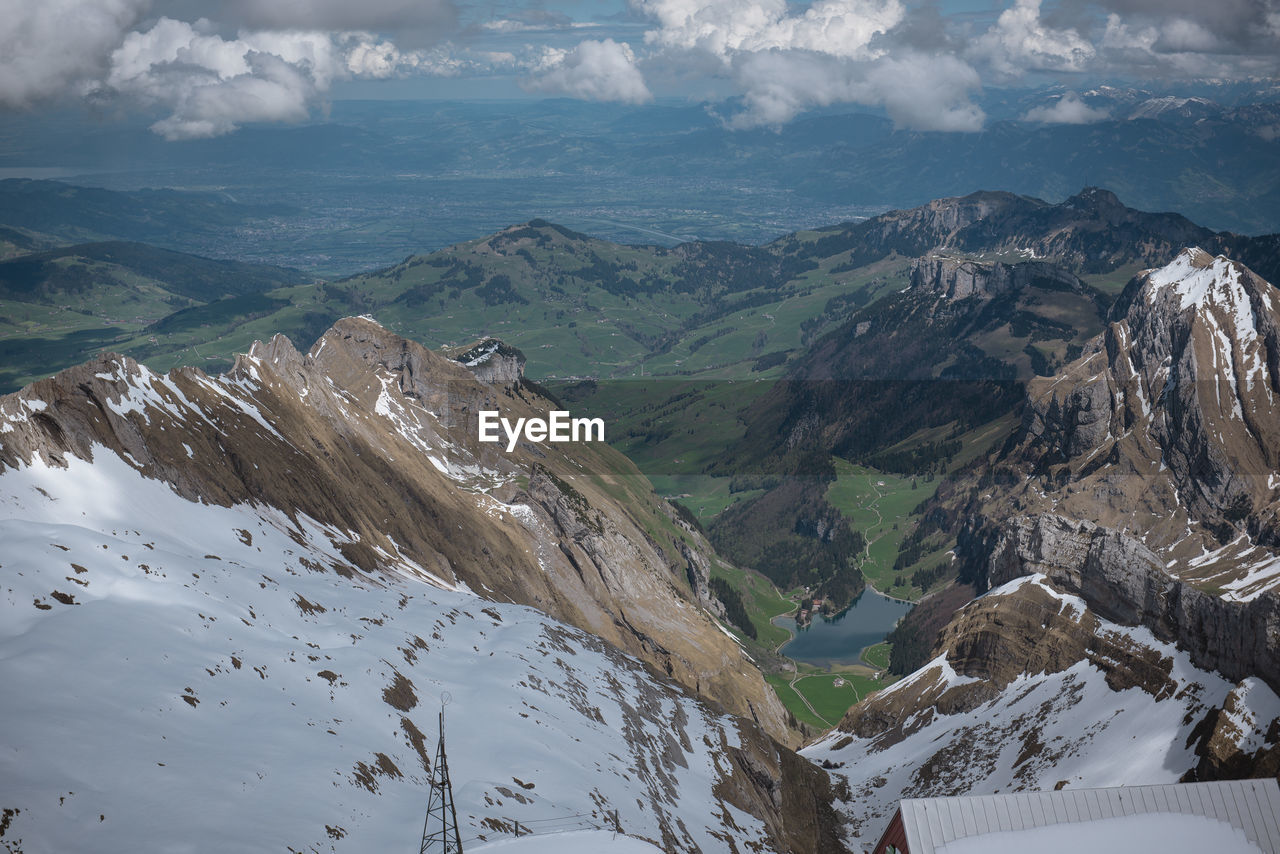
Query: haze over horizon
(197, 69)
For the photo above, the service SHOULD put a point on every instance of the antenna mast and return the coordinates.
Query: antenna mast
(441, 814)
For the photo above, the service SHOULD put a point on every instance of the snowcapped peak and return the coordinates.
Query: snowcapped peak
(1197, 279)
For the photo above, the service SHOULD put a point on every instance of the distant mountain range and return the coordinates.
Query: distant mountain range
(376, 181)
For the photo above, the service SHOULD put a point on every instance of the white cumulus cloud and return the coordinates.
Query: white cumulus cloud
(594, 71)
(918, 91)
(1019, 41)
(928, 92)
(1067, 110)
(212, 84)
(724, 27)
(50, 46)
(779, 85)
(785, 60)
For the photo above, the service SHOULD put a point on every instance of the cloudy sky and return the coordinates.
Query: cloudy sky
(205, 68)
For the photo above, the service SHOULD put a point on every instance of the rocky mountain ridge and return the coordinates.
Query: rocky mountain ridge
(1129, 624)
(1031, 688)
(1127, 583)
(358, 465)
(1090, 232)
(979, 327)
(959, 277)
(177, 670)
(1166, 429)
(375, 436)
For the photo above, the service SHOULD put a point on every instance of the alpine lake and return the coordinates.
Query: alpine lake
(839, 640)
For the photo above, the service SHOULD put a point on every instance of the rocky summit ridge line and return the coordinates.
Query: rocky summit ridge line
(375, 436)
(1167, 428)
(340, 498)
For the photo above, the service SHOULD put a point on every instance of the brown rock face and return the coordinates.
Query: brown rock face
(1029, 688)
(375, 438)
(1143, 481)
(1233, 743)
(1124, 581)
(1182, 389)
(1166, 430)
(798, 795)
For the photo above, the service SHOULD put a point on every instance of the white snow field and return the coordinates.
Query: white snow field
(181, 677)
(583, 842)
(1043, 729)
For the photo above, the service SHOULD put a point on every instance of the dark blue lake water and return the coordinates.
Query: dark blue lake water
(839, 641)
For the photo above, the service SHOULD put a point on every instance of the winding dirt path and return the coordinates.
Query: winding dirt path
(805, 700)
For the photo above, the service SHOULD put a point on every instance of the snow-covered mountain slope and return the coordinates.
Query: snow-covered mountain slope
(180, 674)
(377, 438)
(578, 842)
(1031, 690)
(230, 607)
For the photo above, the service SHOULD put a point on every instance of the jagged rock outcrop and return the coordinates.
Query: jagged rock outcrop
(1124, 539)
(698, 572)
(1239, 739)
(992, 643)
(1031, 688)
(1124, 581)
(1144, 476)
(957, 277)
(492, 361)
(1189, 371)
(936, 224)
(801, 795)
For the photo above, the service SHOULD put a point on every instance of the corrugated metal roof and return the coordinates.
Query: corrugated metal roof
(1252, 806)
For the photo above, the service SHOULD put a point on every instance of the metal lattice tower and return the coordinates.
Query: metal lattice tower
(440, 830)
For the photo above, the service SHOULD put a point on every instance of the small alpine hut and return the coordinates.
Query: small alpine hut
(1229, 817)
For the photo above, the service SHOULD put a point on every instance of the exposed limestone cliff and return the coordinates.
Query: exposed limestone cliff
(957, 278)
(1144, 477)
(492, 361)
(1124, 581)
(1125, 540)
(995, 641)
